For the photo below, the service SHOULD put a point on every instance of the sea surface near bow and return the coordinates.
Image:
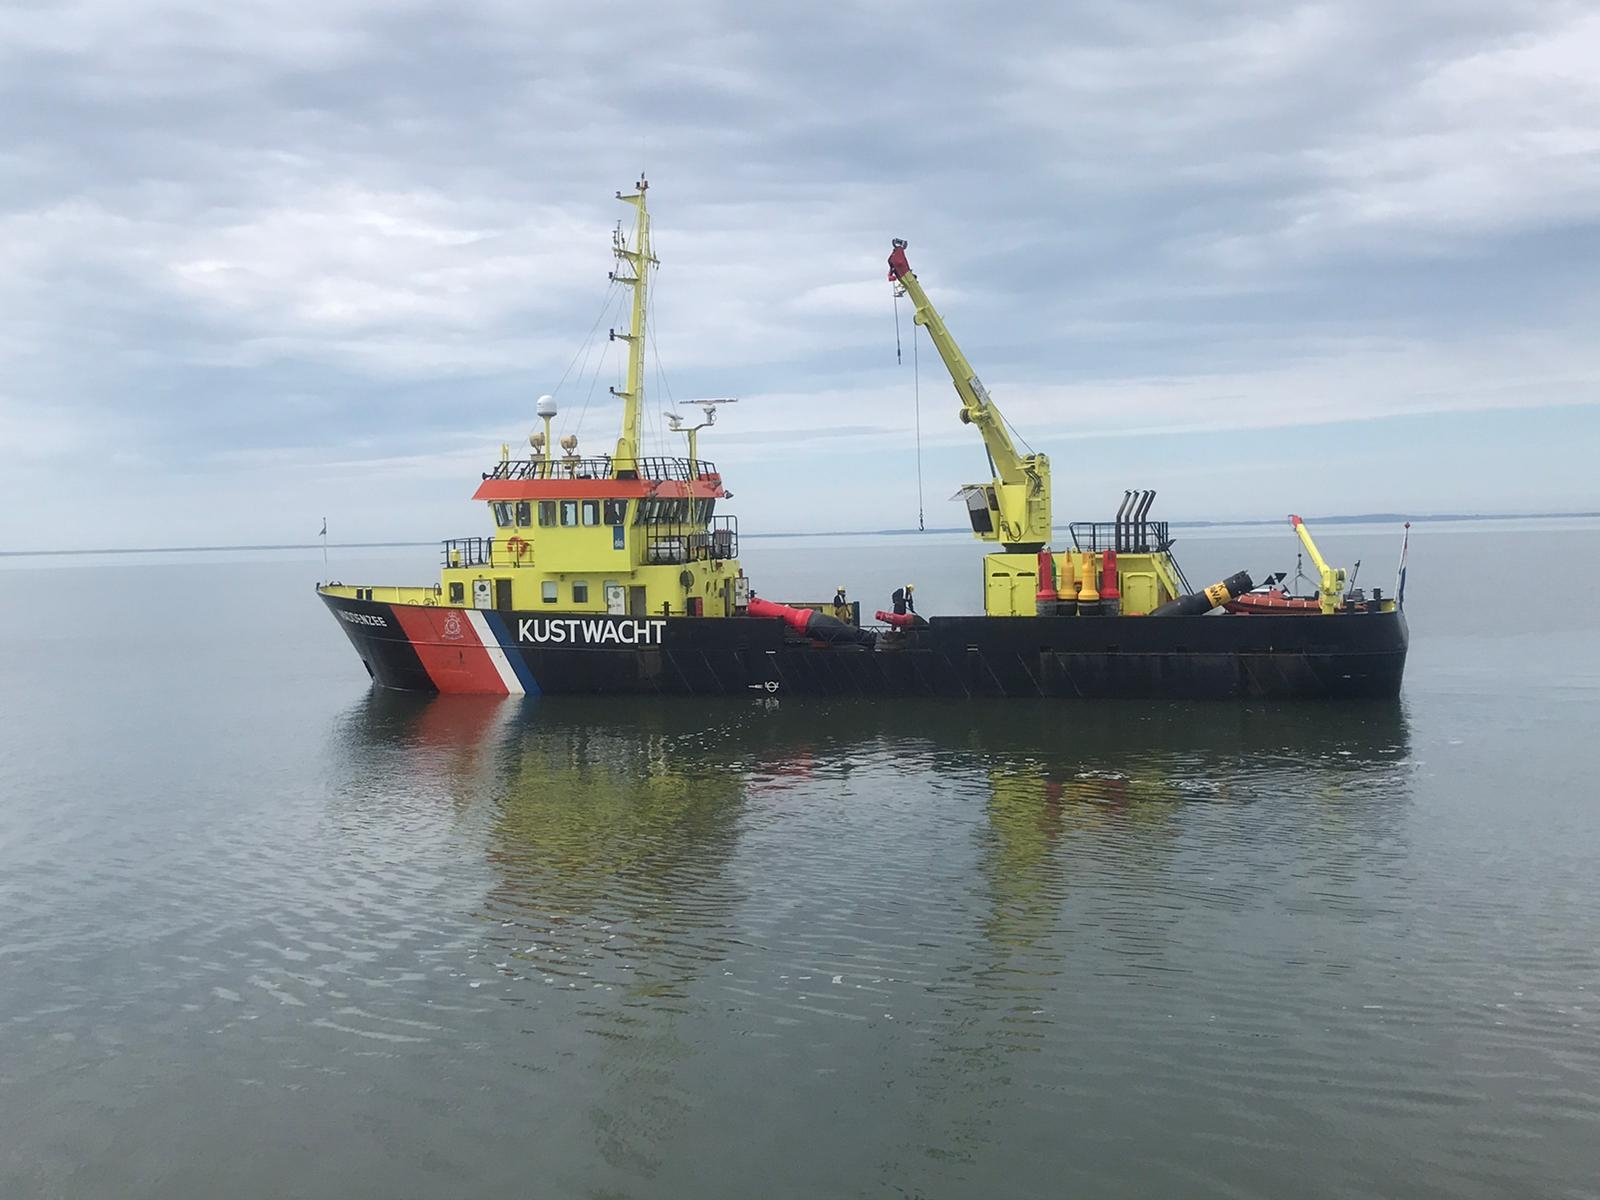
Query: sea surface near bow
(265, 932)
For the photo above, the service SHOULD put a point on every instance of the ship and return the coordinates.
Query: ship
(619, 574)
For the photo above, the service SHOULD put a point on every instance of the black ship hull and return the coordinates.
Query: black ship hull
(439, 649)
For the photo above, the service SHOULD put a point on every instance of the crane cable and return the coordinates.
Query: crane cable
(895, 297)
(916, 398)
(916, 401)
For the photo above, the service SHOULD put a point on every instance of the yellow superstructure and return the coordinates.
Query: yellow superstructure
(626, 534)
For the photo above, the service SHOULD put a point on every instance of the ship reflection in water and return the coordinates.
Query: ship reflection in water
(928, 934)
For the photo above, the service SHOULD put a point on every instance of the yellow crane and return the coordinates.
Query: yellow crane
(1330, 580)
(1014, 507)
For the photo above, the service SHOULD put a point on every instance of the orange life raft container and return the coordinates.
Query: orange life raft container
(1276, 602)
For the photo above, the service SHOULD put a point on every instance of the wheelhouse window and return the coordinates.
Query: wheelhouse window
(458, 593)
(524, 513)
(580, 592)
(549, 591)
(657, 512)
(569, 512)
(616, 512)
(502, 513)
(591, 512)
(547, 512)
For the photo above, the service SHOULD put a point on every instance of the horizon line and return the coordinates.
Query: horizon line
(1342, 519)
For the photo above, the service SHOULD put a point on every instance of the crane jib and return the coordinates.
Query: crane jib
(1018, 515)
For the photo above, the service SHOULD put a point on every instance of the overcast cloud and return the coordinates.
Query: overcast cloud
(264, 263)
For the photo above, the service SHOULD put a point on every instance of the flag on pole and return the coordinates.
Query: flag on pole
(1400, 578)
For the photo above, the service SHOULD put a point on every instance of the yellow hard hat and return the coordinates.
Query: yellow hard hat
(910, 587)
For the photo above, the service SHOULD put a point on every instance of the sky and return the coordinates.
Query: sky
(262, 264)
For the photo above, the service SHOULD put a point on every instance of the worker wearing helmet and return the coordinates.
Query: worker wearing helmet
(841, 606)
(903, 602)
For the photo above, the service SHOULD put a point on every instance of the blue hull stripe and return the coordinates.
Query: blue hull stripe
(513, 651)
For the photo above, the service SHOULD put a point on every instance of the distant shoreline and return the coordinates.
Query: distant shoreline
(210, 549)
(1356, 519)
(1349, 519)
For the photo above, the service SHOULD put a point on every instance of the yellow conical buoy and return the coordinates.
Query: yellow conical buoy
(1088, 593)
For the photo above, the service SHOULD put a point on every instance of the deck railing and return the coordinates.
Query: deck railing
(652, 468)
(469, 552)
(719, 542)
(429, 595)
(1133, 537)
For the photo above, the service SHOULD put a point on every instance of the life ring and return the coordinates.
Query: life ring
(516, 547)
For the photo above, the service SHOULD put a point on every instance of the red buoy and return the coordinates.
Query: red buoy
(1047, 578)
(795, 618)
(1110, 593)
(1108, 577)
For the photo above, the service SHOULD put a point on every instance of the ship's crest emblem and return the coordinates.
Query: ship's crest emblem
(452, 627)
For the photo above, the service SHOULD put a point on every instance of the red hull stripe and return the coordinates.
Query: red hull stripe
(451, 653)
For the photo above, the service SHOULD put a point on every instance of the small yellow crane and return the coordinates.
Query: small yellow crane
(1330, 580)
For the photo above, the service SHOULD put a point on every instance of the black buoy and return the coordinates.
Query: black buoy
(1197, 603)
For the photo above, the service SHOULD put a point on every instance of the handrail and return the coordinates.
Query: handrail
(720, 542)
(1146, 537)
(654, 469)
(468, 552)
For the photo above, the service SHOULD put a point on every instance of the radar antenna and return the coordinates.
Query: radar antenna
(675, 423)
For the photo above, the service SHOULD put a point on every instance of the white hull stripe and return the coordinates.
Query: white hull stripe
(497, 656)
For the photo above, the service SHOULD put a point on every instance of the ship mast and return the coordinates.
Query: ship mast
(638, 260)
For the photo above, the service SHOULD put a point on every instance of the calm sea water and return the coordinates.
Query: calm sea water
(264, 932)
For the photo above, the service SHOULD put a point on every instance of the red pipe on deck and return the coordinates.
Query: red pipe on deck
(899, 620)
(795, 618)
